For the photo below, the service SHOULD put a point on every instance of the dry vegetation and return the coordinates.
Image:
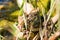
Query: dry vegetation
(37, 20)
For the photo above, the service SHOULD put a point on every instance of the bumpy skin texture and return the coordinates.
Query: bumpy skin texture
(33, 19)
(31, 14)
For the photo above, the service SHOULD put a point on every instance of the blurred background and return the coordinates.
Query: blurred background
(7, 9)
(11, 11)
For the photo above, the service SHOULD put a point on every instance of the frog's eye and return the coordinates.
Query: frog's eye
(27, 15)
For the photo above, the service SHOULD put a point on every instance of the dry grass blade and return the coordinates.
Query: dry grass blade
(54, 36)
(43, 12)
(36, 37)
(25, 21)
(50, 11)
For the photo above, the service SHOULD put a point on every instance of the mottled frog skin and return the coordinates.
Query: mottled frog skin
(33, 19)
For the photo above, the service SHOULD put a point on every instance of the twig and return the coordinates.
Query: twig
(56, 17)
(25, 21)
(40, 29)
(36, 37)
(30, 32)
(54, 36)
(43, 12)
(50, 12)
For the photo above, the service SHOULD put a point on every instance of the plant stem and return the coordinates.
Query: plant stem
(50, 11)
